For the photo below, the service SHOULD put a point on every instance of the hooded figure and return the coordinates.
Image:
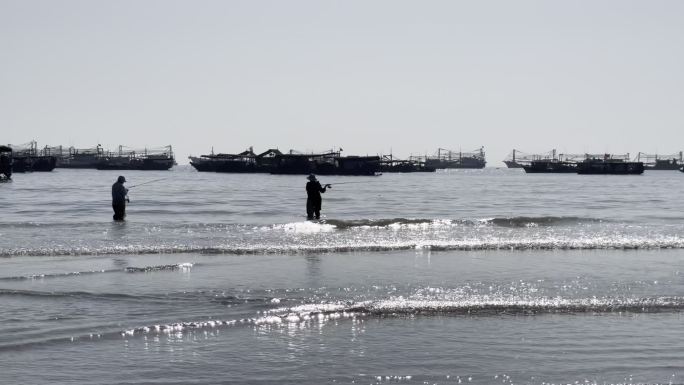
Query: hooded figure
(313, 197)
(119, 198)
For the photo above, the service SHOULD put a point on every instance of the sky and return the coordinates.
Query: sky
(368, 76)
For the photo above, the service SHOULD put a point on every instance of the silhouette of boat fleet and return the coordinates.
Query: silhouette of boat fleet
(333, 162)
(29, 157)
(554, 162)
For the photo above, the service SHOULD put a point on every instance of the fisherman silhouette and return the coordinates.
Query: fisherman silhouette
(119, 199)
(313, 197)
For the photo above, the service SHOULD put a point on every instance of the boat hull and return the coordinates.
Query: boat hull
(613, 168)
(536, 167)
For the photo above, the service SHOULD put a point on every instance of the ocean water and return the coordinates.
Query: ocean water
(461, 276)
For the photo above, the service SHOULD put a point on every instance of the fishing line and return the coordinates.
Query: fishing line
(347, 182)
(148, 182)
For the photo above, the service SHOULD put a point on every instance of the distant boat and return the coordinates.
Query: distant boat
(27, 158)
(147, 159)
(5, 163)
(661, 162)
(456, 159)
(551, 162)
(77, 157)
(518, 159)
(512, 164)
(390, 164)
(326, 163)
(610, 165)
(244, 162)
(275, 162)
(550, 166)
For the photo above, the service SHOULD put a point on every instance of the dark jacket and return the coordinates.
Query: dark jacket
(314, 190)
(119, 193)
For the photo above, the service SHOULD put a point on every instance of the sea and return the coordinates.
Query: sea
(488, 276)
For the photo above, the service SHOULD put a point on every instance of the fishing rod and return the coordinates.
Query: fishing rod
(346, 182)
(148, 182)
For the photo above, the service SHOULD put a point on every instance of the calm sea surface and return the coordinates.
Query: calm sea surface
(463, 276)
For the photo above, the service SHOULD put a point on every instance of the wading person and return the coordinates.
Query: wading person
(119, 198)
(313, 197)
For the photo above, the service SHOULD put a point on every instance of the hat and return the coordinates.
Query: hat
(311, 177)
(121, 179)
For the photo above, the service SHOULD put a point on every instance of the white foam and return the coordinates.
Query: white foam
(306, 227)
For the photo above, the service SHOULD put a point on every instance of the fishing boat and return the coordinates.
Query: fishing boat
(551, 162)
(661, 162)
(326, 163)
(27, 158)
(244, 162)
(275, 162)
(610, 164)
(77, 157)
(147, 159)
(5, 163)
(389, 163)
(444, 159)
(516, 160)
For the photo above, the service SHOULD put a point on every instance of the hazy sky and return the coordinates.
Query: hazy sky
(367, 76)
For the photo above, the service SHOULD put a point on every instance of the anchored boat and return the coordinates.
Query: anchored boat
(516, 159)
(456, 159)
(27, 158)
(77, 157)
(275, 162)
(389, 163)
(146, 159)
(5, 163)
(661, 162)
(550, 162)
(610, 164)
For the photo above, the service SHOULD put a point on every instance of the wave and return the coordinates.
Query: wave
(321, 313)
(343, 224)
(346, 224)
(523, 221)
(171, 267)
(69, 294)
(178, 266)
(589, 243)
(518, 221)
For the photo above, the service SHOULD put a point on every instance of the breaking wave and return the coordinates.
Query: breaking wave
(320, 313)
(490, 243)
(519, 221)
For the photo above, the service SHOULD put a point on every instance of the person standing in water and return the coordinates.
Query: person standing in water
(313, 197)
(119, 199)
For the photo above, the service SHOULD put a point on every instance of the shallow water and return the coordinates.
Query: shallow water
(468, 276)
